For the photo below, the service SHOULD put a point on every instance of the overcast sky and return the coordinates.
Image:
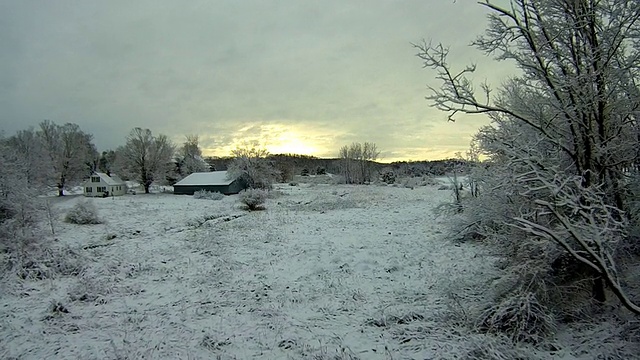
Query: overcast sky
(299, 76)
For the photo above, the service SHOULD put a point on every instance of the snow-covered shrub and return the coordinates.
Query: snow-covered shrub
(520, 316)
(388, 177)
(27, 257)
(208, 195)
(254, 199)
(83, 213)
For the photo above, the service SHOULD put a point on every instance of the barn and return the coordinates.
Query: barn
(214, 181)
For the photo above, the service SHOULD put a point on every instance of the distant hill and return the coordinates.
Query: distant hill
(292, 164)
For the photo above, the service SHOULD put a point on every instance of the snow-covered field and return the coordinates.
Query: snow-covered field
(325, 272)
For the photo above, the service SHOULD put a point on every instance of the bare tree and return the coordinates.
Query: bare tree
(252, 166)
(356, 162)
(370, 154)
(573, 108)
(31, 153)
(189, 159)
(70, 151)
(145, 157)
(356, 156)
(346, 164)
(18, 206)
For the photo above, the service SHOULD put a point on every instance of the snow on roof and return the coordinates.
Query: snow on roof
(206, 178)
(116, 178)
(110, 180)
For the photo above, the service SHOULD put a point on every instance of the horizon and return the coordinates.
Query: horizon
(312, 157)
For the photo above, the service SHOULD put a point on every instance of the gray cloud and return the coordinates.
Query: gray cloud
(326, 73)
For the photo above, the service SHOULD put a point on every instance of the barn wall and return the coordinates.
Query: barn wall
(190, 189)
(232, 188)
(235, 187)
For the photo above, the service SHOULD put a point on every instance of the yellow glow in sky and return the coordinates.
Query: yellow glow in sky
(277, 139)
(282, 138)
(291, 146)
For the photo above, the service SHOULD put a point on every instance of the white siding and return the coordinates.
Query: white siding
(97, 189)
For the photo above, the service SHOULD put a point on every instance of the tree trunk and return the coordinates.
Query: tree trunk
(598, 290)
(60, 191)
(146, 188)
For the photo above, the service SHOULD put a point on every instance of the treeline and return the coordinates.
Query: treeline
(289, 165)
(58, 156)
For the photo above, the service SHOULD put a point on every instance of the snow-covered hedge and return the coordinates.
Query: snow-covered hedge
(254, 199)
(208, 195)
(83, 213)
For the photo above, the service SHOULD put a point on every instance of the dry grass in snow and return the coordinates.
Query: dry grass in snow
(326, 272)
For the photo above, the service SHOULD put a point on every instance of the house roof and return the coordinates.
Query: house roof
(110, 180)
(205, 178)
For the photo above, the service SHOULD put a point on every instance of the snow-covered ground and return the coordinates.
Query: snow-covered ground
(325, 272)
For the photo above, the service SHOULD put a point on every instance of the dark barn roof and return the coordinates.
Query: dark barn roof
(215, 181)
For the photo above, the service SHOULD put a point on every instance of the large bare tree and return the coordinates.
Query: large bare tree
(565, 128)
(145, 157)
(32, 157)
(252, 165)
(70, 152)
(189, 157)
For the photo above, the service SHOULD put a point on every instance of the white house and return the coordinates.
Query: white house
(101, 184)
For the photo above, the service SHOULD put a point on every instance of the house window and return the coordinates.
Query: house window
(102, 188)
(95, 179)
(88, 189)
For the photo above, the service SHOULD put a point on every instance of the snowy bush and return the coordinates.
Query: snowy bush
(208, 195)
(519, 316)
(254, 199)
(83, 213)
(388, 177)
